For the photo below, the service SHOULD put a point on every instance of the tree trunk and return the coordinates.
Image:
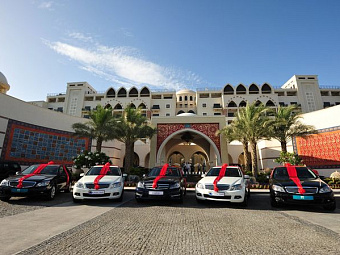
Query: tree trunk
(129, 155)
(284, 146)
(253, 158)
(99, 144)
(246, 156)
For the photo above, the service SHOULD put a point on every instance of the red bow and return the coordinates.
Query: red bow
(220, 176)
(161, 175)
(103, 172)
(36, 171)
(293, 176)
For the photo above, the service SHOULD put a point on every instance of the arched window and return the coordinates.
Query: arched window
(132, 106)
(118, 107)
(122, 92)
(270, 103)
(145, 92)
(180, 98)
(258, 102)
(186, 98)
(133, 92)
(191, 111)
(243, 104)
(111, 93)
(266, 89)
(179, 112)
(191, 98)
(107, 106)
(228, 90)
(253, 89)
(241, 89)
(232, 104)
(142, 106)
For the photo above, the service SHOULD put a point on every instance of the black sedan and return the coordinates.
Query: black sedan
(43, 180)
(304, 187)
(169, 184)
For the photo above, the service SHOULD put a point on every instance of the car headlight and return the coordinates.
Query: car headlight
(115, 185)
(140, 185)
(325, 189)
(278, 188)
(43, 183)
(200, 185)
(175, 185)
(79, 185)
(236, 187)
(4, 182)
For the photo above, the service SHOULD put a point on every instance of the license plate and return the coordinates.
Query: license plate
(96, 192)
(298, 197)
(217, 194)
(156, 193)
(19, 190)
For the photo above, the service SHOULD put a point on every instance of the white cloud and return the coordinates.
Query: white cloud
(124, 65)
(46, 5)
(80, 36)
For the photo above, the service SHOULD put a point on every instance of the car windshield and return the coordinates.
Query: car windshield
(281, 173)
(49, 169)
(171, 171)
(230, 172)
(95, 170)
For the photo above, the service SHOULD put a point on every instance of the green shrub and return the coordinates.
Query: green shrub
(288, 157)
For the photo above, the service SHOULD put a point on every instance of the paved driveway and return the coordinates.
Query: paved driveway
(163, 228)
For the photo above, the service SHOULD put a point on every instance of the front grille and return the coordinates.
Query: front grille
(101, 185)
(219, 186)
(217, 197)
(295, 190)
(96, 195)
(159, 186)
(25, 184)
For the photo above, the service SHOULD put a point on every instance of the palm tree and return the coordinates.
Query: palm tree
(100, 126)
(286, 124)
(254, 123)
(235, 132)
(129, 128)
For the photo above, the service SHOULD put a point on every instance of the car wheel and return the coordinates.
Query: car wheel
(248, 194)
(245, 200)
(5, 199)
(51, 193)
(199, 201)
(120, 199)
(330, 207)
(274, 203)
(138, 200)
(76, 200)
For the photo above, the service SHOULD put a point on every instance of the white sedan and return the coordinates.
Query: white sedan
(96, 185)
(232, 187)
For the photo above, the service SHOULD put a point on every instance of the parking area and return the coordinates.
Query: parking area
(171, 228)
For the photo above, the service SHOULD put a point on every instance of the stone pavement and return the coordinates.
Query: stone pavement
(212, 228)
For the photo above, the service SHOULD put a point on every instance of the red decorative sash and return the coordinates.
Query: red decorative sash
(220, 176)
(293, 176)
(36, 171)
(103, 172)
(161, 175)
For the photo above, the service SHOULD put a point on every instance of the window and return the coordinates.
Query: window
(310, 101)
(155, 106)
(167, 97)
(282, 103)
(217, 106)
(87, 108)
(293, 103)
(60, 109)
(191, 98)
(204, 105)
(167, 106)
(204, 95)
(326, 104)
(155, 115)
(217, 113)
(204, 114)
(186, 98)
(168, 114)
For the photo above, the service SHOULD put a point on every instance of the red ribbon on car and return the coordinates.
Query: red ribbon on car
(36, 171)
(103, 172)
(220, 176)
(161, 175)
(293, 176)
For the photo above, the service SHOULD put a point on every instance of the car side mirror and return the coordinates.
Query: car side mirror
(17, 173)
(202, 175)
(82, 174)
(144, 175)
(246, 177)
(125, 175)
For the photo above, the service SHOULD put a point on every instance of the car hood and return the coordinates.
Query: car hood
(304, 182)
(165, 179)
(36, 178)
(224, 180)
(106, 178)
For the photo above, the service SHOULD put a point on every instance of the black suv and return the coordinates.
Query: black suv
(8, 168)
(171, 185)
(42, 180)
(303, 188)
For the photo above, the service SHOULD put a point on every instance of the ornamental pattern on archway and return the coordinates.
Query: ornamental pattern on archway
(209, 129)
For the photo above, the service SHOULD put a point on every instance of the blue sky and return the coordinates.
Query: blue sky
(172, 44)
